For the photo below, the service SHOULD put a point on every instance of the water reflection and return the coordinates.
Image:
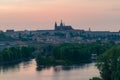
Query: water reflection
(27, 71)
(85, 65)
(42, 68)
(65, 68)
(14, 67)
(6, 68)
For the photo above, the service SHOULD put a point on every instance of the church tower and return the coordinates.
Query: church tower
(62, 27)
(55, 25)
(89, 29)
(61, 24)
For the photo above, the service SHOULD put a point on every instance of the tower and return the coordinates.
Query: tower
(61, 24)
(89, 29)
(55, 25)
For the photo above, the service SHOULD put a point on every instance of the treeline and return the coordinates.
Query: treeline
(108, 64)
(66, 54)
(15, 53)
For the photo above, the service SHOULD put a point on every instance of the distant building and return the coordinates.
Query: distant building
(1, 31)
(62, 27)
(10, 31)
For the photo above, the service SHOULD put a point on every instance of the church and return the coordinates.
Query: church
(62, 27)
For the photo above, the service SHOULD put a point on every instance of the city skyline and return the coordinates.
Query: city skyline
(101, 15)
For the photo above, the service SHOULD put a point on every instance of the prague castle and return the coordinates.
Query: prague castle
(62, 27)
(63, 34)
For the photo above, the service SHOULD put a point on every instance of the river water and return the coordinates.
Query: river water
(27, 71)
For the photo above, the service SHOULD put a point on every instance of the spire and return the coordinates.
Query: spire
(61, 21)
(55, 24)
(89, 29)
(61, 24)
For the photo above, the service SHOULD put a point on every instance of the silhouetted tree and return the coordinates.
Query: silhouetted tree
(109, 64)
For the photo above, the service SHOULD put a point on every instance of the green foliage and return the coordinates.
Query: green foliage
(65, 54)
(26, 51)
(15, 53)
(95, 78)
(44, 60)
(109, 64)
(79, 52)
(72, 53)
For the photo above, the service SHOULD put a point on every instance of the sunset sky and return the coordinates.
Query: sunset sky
(41, 14)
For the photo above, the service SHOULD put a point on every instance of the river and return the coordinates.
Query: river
(27, 71)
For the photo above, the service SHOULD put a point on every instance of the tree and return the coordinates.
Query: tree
(16, 53)
(95, 78)
(109, 64)
(27, 52)
(44, 60)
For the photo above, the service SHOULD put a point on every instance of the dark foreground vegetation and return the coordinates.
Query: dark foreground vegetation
(108, 64)
(14, 54)
(69, 54)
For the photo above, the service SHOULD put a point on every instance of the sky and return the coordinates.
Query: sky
(99, 15)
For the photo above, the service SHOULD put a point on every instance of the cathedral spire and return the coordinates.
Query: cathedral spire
(89, 29)
(61, 24)
(55, 24)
